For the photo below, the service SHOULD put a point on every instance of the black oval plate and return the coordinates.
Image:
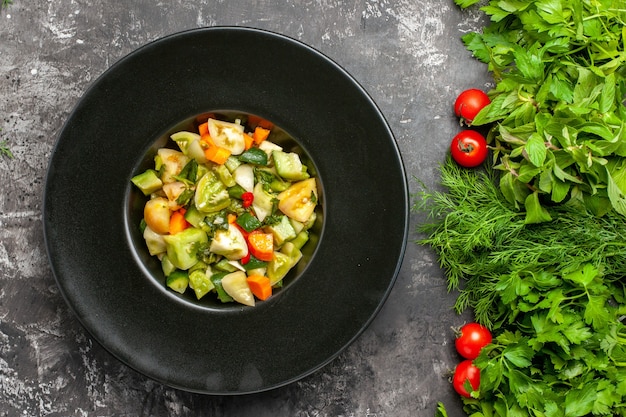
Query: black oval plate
(235, 350)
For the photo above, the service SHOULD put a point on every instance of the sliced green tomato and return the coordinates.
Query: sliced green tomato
(285, 259)
(278, 267)
(183, 139)
(167, 266)
(211, 194)
(154, 241)
(299, 200)
(227, 135)
(200, 283)
(229, 243)
(173, 162)
(289, 166)
(178, 281)
(225, 176)
(148, 181)
(236, 286)
(189, 144)
(262, 203)
(181, 247)
(244, 176)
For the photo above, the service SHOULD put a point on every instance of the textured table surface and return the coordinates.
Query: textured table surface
(406, 53)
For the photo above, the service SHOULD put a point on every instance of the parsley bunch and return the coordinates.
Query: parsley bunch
(553, 294)
(559, 123)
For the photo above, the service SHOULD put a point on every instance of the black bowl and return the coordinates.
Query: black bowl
(91, 237)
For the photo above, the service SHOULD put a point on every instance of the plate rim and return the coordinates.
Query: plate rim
(405, 221)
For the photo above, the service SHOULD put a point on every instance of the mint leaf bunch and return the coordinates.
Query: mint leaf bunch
(557, 116)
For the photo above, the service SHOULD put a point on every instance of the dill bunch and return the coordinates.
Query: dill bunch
(481, 239)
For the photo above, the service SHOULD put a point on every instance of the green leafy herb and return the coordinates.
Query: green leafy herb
(552, 292)
(559, 122)
(5, 3)
(5, 150)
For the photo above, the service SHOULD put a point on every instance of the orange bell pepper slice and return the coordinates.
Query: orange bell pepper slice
(261, 245)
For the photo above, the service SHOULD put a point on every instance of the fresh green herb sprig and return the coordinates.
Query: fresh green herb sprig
(553, 293)
(559, 122)
(5, 3)
(5, 150)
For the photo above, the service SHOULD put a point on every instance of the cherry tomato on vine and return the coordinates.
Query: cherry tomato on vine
(466, 372)
(469, 103)
(469, 148)
(471, 338)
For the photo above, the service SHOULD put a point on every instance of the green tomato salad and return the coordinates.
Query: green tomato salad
(228, 208)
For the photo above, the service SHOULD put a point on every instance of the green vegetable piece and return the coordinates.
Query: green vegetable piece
(194, 216)
(178, 281)
(282, 263)
(183, 139)
(200, 283)
(289, 166)
(230, 243)
(278, 267)
(301, 239)
(182, 247)
(282, 231)
(254, 263)
(224, 265)
(222, 295)
(148, 181)
(211, 194)
(254, 156)
(225, 176)
(236, 191)
(248, 222)
(167, 266)
(232, 163)
(294, 253)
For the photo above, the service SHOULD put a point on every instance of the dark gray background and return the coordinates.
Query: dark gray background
(406, 53)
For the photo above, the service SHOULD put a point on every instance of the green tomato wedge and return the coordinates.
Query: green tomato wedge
(236, 286)
(181, 247)
(227, 135)
(278, 267)
(200, 283)
(211, 194)
(299, 200)
(229, 243)
(283, 261)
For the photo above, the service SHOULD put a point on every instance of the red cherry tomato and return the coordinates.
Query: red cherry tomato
(469, 103)
(469, 148)
(471, 339)
(466, 371)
